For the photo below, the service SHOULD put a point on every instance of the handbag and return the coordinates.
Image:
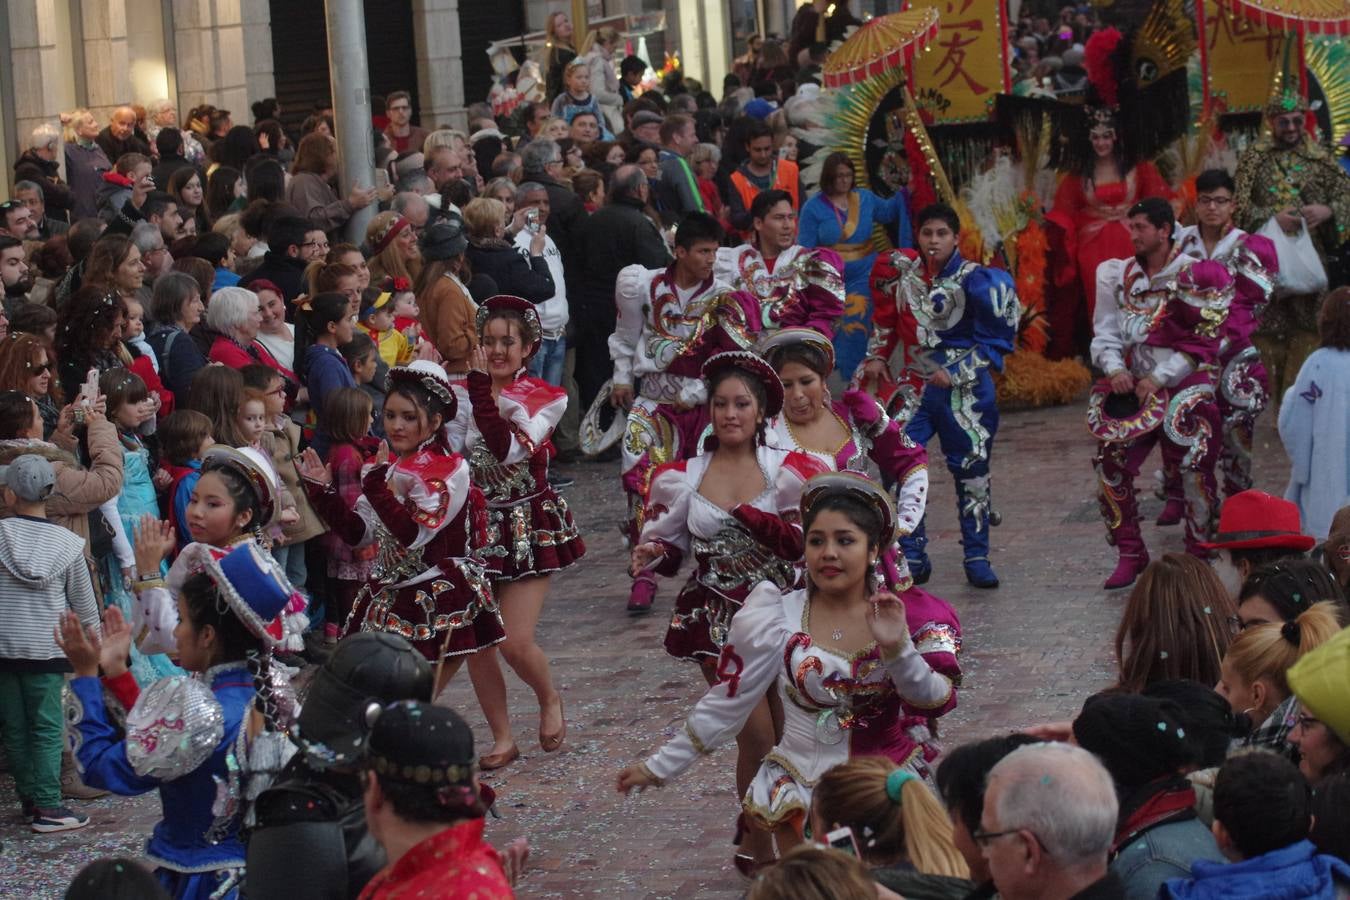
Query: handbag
(1301, 270)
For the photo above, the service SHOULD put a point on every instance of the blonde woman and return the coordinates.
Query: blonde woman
(901, 830)
(1254, 671)
(598, 54)
(492, 255)
(86, 163)
(393, 247)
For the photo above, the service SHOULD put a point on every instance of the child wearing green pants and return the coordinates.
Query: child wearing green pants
(42, 574)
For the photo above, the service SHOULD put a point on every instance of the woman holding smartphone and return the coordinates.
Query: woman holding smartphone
(840, 655)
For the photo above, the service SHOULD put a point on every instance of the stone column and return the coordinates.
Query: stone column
(209, 46)
(43, 68)
(259, 71)
(106, 64)
(440, 63)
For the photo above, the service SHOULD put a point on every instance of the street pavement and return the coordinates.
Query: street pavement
(1033, 650)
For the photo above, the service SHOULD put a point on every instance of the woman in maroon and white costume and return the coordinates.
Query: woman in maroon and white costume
(503, 426)
(735, 509)
(426, 518)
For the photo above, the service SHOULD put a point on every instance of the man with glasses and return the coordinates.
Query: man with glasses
(1288, 183)
(404, 136)
(1243, 388)
(157, 258)
(315, 246)
(1048, 824)
(29, 193)
(292, 242)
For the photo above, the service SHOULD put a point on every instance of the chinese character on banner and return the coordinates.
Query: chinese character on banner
(957, 77)
(1239, 58)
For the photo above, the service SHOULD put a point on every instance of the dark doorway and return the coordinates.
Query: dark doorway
(300, 55)
(486, 23)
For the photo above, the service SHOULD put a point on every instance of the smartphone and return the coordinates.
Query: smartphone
(381, 179)
(843, 839)
(532, 221)
(89, 392)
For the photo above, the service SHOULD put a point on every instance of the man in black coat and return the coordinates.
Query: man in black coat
(618, 235)
(39, 165)
(169, 143)
(119, 138)
(284, 263)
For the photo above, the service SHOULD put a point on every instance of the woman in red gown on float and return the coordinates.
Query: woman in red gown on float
(1091, 208)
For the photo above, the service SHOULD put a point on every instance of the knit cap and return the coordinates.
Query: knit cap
(1321, 681)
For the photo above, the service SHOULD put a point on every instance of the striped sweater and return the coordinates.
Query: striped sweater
(42, 574)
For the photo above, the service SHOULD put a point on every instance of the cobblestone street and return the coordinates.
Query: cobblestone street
(1033, 649)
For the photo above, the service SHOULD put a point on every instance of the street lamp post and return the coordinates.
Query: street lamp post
(350, 77)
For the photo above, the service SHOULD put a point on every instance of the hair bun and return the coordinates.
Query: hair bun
(1291, 632)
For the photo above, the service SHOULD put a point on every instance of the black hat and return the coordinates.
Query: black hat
(1138, 739)
(366, 668)
(417, 743)
(444, 239)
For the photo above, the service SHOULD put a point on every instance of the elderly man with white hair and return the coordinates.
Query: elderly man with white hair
(150, 241)
(1048, 823)
(161, 114)
(235, 316)
(39, 165)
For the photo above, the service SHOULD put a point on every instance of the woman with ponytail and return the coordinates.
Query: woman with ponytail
(202, 740)
(901, 830)
(1254, 673)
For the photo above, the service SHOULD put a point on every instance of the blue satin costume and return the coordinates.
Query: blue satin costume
(967, 317)
(196, 854)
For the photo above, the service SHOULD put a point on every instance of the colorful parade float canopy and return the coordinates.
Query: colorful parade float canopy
(1305, 17)
(881, 45)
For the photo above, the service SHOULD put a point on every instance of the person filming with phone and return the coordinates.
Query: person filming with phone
(529, 223)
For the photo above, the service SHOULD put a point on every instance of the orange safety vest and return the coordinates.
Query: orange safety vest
(785, 179)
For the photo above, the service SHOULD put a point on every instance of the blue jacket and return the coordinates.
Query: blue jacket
(325, 372)
(1296, 871)
(1161, 853)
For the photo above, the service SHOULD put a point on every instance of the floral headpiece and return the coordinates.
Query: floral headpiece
(385, 236)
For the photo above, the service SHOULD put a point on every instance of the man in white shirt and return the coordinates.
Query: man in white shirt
(1156, 337)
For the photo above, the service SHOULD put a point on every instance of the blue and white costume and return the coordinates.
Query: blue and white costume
(967, 319)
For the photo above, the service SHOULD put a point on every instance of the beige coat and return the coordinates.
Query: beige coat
(285, 451)
(447, 317)
(79, 491)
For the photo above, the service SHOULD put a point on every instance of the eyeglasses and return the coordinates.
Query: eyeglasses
(1207, 200)
(323, 244)
(1306, 721)
(11, 204)
(985, 838)
(42, 369)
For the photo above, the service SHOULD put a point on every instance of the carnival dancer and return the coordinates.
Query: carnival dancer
(204, 739)
(503, 426)
(313, 809)
(733, 508)
(669, 322)
(233, 503)
(1243, 388)
(839, 653)
(845, 434)
(1156, 338)
(967, 318)
(794, 286)
(841, 217)
(419, 508)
